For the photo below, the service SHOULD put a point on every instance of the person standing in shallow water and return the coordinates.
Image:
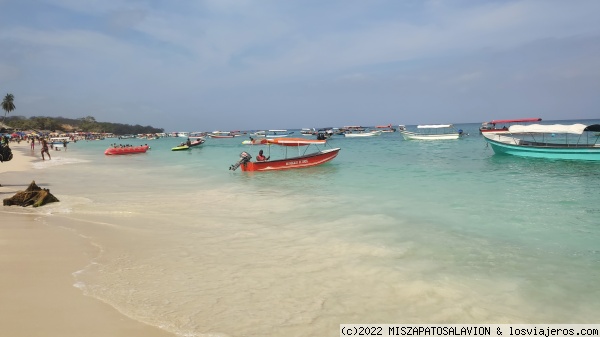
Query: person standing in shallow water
(45, 149)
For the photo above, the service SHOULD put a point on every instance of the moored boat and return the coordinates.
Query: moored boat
(198, 141)
(258, 134)
(59, 142)
(558, 141)
(308, 131)
(432, 132)
(126, 150)
(385, 128)
(221, 134)
(278, 133)
(197, 135)
(320, 156)
(490, 127)
(252, 141)
(363, 134)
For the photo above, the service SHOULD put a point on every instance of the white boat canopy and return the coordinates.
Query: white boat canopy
(555, 128)
(434, 126)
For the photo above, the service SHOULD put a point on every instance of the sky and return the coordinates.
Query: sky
(193, 65)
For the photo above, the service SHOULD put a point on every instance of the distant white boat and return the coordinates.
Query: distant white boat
(432, 132)
(221, 134)
(278, 133)
(363, 134)
(59, 141)
(183, 134)
(197, 135)
(258, 134)
(308, 132)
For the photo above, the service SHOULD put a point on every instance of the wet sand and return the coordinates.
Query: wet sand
(37, 292)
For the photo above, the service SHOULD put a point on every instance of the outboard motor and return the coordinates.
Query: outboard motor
(244, 158)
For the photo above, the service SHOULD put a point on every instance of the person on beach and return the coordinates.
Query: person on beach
(261, 156)
(45, 149)
(32, 144)
(65, 144)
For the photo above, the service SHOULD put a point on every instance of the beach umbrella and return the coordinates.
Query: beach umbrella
(14, 135)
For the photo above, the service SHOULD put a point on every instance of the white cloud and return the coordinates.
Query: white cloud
(110, 54)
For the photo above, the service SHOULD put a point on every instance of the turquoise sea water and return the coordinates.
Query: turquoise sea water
(390, 231)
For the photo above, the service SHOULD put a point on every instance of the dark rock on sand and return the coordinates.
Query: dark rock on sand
(33, 195)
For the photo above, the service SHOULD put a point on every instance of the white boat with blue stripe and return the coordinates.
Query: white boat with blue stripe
(558, 141)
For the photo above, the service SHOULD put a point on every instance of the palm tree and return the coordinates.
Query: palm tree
(8, 105)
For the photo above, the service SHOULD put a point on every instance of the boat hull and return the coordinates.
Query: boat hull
(417, 136)
(548, 152)
(310, 160)
(260, 141)
(363, 134)
(493, 131)
(197, 142)
(126, 150)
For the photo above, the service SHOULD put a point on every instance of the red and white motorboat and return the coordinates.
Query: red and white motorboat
(318, 157)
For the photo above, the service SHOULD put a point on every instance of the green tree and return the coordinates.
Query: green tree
(8, 105)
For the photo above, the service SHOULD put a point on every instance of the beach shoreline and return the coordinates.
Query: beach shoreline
(389, 232)
(38, 263)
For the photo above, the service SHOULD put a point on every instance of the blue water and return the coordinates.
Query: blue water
(390, 231)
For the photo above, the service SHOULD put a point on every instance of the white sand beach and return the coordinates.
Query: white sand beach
(37, 292)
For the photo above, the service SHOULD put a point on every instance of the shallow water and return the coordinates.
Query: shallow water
(391, 231)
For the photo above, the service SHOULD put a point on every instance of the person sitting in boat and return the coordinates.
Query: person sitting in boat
(189, 142)
(261, 156)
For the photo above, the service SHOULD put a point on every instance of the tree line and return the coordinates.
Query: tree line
(84, 124)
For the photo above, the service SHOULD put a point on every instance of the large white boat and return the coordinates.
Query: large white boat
(558, 141)
(183, 134)
(432, 132)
